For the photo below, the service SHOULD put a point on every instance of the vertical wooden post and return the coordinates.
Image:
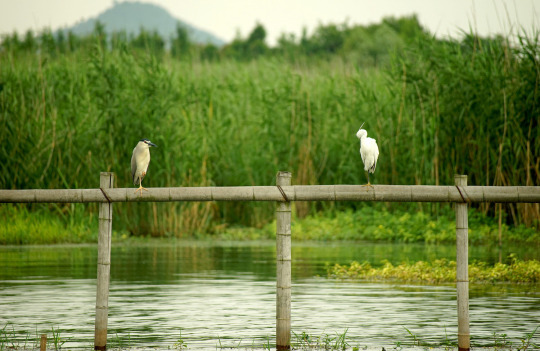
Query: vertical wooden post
(106, 181)
(283, 257)
(43, 343)
(462, 273)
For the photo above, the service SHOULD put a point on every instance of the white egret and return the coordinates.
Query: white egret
(140, 161)
(369, 151)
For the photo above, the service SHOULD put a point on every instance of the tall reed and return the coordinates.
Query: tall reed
(442, 108)
(476, 105)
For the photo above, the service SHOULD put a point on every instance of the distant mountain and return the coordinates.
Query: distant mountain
(131, 16)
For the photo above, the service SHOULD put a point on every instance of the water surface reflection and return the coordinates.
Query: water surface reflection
(224, 293)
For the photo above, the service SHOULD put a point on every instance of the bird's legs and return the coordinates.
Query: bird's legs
(141, 188)
(368, 183)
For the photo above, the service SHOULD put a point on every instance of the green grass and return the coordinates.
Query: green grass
(20, 225)
(440, 271)
(10, 339)
(305, 341)
(377, 223)
(75, 223)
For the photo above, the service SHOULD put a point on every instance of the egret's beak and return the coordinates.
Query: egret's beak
(362, 125)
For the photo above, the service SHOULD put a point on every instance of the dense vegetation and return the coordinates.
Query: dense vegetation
(365, 45)
(20, 225)
(72, 107)
(440, 270)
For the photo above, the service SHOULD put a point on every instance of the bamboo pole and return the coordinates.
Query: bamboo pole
(43, 343)
(106, 182)
(285, 193)
(386, 193)
(283, 265)
(462, 269)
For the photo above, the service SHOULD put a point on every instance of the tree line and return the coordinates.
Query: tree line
(366, 45)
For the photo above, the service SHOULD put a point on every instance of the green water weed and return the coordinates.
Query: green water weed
(340, 342)
(415, 339)
(500, 340)
(266, 345)
(324, 341)
(121, 342)
(180, 343)
(5, 337)
(219, 342)
(439, 271)
(526, 341)
(302, 340)
(447, 342)
(57, 339)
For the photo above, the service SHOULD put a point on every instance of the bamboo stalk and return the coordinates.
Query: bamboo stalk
(43, 343)
(284, 193)
(385, 193)
(283, 267)
(106, 182)
(462, 273)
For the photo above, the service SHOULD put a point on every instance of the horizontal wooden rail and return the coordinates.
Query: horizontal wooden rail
(283, 192)
(386, 193)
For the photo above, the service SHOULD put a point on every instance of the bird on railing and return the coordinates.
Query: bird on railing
(140, 161)
(369, 151)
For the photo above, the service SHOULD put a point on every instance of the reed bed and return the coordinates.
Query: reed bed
(441, 108)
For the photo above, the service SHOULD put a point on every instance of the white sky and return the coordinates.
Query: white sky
(225, 18)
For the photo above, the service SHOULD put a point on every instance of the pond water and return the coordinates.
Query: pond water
(212, 294)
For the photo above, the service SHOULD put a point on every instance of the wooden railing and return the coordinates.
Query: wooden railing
(283, 193)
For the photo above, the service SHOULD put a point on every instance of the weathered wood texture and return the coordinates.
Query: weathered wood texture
(462, 267)
(106, 182)
(461, 194)
(390, 193)
(283, 266)
(43, 343)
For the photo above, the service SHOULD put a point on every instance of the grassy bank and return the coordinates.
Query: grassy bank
(22, 225)
(378, 223)
(440, 271)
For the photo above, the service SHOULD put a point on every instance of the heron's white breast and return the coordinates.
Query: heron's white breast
(369, 151)
(142, 161)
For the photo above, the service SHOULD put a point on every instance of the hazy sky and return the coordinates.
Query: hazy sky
(225, 18)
